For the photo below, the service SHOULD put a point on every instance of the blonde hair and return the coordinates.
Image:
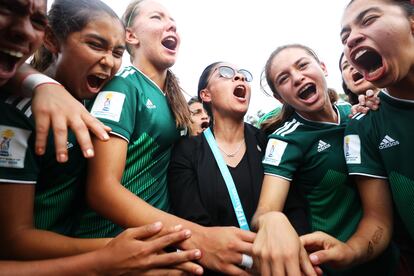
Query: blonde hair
(172, 88)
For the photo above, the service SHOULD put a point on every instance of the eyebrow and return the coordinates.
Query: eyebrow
(359, 18)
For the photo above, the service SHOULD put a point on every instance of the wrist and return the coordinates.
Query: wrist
(33, 81)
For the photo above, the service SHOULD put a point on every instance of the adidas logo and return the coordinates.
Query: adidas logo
(322, 146)
(388, 142)
(150, 105)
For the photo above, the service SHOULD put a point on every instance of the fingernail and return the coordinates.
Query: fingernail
(314, 258)
(187, 233)
(178, 227)
(62, 158)
(197, 254)
(105, 136)
(157, 225)
(40, 150)
(199, 271)
(89, 153)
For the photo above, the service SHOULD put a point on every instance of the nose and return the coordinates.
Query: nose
(204, 116)
(107, 60)
(172, 26)
(239, 76)
(354, 39)
(22, 29)
(297, 77)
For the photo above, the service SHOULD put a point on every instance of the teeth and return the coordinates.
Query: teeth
(102, 77)
(304, 88)
(360, 53)
(12, 53)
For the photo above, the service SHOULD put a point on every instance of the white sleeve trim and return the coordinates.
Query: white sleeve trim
(283, 177)
(2, 181)
(120, 136)
(369, 175)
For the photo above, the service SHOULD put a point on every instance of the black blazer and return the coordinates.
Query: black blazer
(193, 172)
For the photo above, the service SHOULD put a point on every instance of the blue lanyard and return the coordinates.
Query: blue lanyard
(234, 196)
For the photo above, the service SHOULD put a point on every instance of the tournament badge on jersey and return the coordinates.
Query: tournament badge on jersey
(352, 149)
(274, 152)
(13, 146)
(108, 105)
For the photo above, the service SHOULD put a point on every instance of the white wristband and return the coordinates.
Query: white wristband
(32, 81)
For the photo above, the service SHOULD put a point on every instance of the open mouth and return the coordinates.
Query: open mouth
(370, 63)
(96, 81)
(240, 91)
(357, 76)
(9, 60)
(307, 91)
(170, 43)
(204, 125)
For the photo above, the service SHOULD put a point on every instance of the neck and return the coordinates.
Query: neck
(228, 130)
(156, 75)
(403, 89)
(326, 114)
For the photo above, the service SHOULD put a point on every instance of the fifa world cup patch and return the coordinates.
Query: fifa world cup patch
(108, 105)
(352, 149)
(274, 152)
(13, 146)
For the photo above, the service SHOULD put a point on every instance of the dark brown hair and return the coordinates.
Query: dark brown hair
(66, 17)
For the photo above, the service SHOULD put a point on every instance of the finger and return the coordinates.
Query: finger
(60, 133)
(361, 99)
(318, 270)
(369, 93)
(42, 122)
(305, 264)
(313, 241)
(191, 267)
(169, 239)
(322, 256)
(82, 136)
(160, 272)
(143, 232)
(246, 236)
(96, 126)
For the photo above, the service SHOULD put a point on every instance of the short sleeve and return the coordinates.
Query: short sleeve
(282, 157)
(116, 106)
(360, 149)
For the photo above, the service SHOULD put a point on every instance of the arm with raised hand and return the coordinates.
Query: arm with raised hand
(55, 107)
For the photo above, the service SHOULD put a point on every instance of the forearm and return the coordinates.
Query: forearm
(85, 264)
(375, 228)
(371, 239)
(33, 244)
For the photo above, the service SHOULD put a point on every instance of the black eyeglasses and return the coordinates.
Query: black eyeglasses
(229, 73)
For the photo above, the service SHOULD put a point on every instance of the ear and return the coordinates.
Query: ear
(205, 95)
(131, 37)
(51, 42)
(412, 20)
(323, 67)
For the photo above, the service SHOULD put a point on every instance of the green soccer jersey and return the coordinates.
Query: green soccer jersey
(59, 187)
(310, 154)
(381, 145)
(137, 111)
